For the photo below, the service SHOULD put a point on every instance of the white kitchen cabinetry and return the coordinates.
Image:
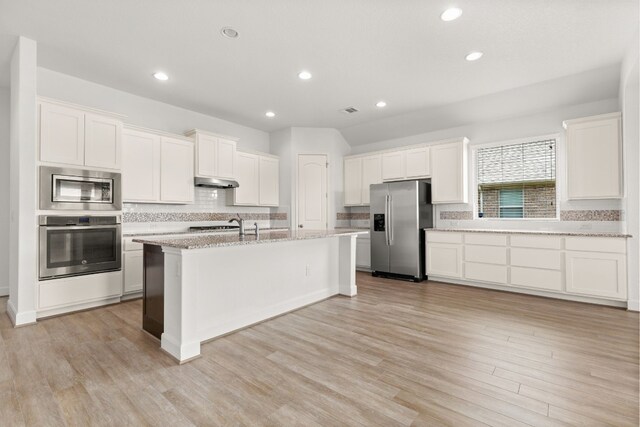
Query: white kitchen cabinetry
(363, 252)
(393, 167)
(133, 266)
(360, 173)
(417, 163)
(157, 167)
(258, 177)
(215, 155)
(269, 192)
(594, 157)
(176, 170)
(449, 172)
(71, 135)
(572, 266)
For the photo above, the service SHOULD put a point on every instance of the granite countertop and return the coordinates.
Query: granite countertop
(177, 233)
(535, 232)
(229, 239)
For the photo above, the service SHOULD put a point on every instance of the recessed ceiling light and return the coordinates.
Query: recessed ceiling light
(473, 56)
(304, 75)
(270, 114)
(161, 76)
(229, 32)
(381, 104)
(451, 14)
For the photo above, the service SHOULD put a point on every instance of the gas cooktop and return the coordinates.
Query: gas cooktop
(214, 227)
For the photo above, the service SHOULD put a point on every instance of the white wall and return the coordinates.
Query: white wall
(545, 123)
(4, 191)
(289, 143)
(144, 111)
(629, 104)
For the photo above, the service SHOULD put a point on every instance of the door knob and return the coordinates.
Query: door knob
(300, 226)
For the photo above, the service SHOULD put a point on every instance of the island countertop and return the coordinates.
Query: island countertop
(584, 233)
(228, 239)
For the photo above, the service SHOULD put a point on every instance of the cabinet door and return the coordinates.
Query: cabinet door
(103, 142)
(371, 174)
(417, 163)
(206, 155)
(596, 274)
(363, 253)
(133, 271)
(247, 174)
(353, 181)
(61, 135)
(444, 260)
(594, 158)
(140, 167)
(176, 170)
(393, 166)
(226, 158)
(269, 181)
(449, 173)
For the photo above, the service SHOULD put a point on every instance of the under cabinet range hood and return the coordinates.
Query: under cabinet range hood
(215, 183)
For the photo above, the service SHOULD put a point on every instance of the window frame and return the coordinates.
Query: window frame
(474, 174)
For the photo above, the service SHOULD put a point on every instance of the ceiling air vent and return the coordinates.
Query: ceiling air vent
(350, 110)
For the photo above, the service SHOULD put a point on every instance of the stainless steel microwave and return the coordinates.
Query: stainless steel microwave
(79, 189)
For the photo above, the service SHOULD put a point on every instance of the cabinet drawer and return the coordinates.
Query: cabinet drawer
(539, 242)
(485, 239)
(486, 254)
(535, 278)
(485, 272)
(443, 237)
(536, 258)
(130, 245)
(76, 290)
(596, 244)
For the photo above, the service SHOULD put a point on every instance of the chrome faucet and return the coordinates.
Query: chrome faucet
(257, 230)
(240, 223)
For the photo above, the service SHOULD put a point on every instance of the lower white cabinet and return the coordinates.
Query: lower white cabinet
(581, 266)
(72, 293)
(133, 271)
(363, 252)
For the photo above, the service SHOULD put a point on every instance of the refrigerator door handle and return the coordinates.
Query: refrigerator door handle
(386, 219)
(390, 220)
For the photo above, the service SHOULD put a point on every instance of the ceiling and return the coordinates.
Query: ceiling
(359, 51)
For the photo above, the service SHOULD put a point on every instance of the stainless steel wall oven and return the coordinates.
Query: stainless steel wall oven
(79, 189)
(76, 245)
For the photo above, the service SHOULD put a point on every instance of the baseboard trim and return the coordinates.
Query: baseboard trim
(633, 305)
(4, 291)
(20, 319)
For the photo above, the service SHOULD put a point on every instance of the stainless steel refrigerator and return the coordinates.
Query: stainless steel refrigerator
(399, 212)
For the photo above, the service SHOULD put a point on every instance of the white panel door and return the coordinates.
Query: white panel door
(226, 157)
(371, 174)
(269, 181)
(133, 275)
(594, 160)
(448, 173)
(248, 177)
(103, 142)
(596, 274)
(176, 170)
(393, 166)
(353, 181)
(417, 163)
(140, 167)
(363, 252)
(61, 135)
(444, 260)
(312, 191)
(206, 155)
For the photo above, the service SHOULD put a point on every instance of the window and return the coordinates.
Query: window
(517, 180)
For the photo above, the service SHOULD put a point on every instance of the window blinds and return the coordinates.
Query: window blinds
(514, 163)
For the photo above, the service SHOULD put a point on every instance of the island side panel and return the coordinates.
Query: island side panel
(153, 291)
(348, 265)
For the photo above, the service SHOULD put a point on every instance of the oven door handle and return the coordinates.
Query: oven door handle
(78, 227)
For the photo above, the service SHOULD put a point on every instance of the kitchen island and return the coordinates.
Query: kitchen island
(201, 287)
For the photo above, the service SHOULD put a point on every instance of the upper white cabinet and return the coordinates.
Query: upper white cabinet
(72, 135)
(412, 163)
(449, 172)
(215, 155)
(594, 157)
(359, 173)
(393, 166)
(176, 170)
(258, 178)
(157, 168)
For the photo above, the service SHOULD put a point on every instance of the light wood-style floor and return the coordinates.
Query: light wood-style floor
(398, 354)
